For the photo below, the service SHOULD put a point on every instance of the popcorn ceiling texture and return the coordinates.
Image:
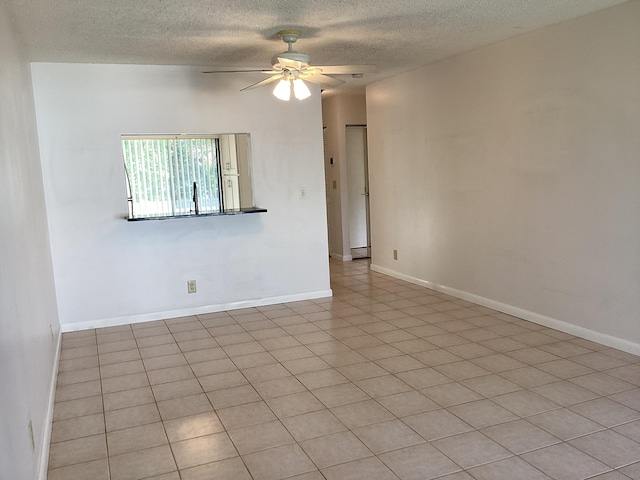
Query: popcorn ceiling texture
(395, 35)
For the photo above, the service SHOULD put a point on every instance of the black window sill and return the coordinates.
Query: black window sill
(241, 211)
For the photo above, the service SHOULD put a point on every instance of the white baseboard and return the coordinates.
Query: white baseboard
(43, 465)
(147, 317)
(342, 258)
(586, 333)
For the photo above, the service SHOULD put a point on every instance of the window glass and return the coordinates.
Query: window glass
(181, 175)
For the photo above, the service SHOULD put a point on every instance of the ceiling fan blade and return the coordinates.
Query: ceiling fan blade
(290, 64)
(260, 70)
(263, 82)
(323, 80)
(346, 69)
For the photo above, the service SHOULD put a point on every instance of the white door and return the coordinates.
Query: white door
(358, 186)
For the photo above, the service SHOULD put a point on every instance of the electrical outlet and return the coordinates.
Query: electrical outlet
(191, 286)
(335, 184)
(303, 192)
(53, 337)
(395, 254)
(31, 437)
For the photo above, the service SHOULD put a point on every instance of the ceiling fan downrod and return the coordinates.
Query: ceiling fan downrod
(290, 37)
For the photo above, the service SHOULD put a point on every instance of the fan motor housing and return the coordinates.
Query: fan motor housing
(295, 56)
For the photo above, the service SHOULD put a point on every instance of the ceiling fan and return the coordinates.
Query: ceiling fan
(292, 69)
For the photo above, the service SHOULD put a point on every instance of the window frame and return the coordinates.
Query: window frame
(173, 182)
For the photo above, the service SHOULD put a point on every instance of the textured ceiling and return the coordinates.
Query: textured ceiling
(395, 35)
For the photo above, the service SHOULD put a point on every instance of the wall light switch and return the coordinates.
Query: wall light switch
(335, 184)
(303, 193)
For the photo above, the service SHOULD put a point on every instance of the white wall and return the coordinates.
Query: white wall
(513, 173)
(338, 111)
(108, 270)
(29, 328)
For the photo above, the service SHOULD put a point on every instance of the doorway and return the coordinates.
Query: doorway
(358, 191)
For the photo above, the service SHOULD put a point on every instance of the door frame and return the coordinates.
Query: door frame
(366, 192)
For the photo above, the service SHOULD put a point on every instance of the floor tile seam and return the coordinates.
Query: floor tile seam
(633, 387)
(158, 409)
(104, 433)
(290, 432)
(82, 436)
(529, 415)
(393, 415)
(444, 407)
(600, 397)
(147, 369)
(432, 443)
(134, 426)
(65, 343)
(490, 462)
(80, 333)
(169, 442)
(104, 417)
(480, 428)
(307, 390)
(566, 443)
(163, 421)
(571, 438)
(115, 341)
(49, 470)
(75, 358)
(173, 334)
(58, 384)
(635, 462)
(460, 468)
(491, 355)
(172, 444)
(333, 465)
(196, 377)
(601, 461)
(138, 346)
(558, 442)
(517, 456)
(426, 440)
(376, 456)
(142, 450)
(244, 427)
(67, 370)
(263, 400)
(624, 434)
(626, 422)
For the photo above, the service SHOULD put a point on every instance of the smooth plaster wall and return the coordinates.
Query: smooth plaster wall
(109, 270)
(338, 111)
(512, 173)
(29, 328)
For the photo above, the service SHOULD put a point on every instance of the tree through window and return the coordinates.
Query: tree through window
(171, 176)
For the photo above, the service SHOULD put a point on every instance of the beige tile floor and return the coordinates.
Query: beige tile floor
(386, 380)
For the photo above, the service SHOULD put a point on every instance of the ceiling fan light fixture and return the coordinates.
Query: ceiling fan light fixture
(283, 90)
(300, 89)
(291, 67)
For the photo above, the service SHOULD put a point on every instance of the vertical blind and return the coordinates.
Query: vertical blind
(162, 170)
